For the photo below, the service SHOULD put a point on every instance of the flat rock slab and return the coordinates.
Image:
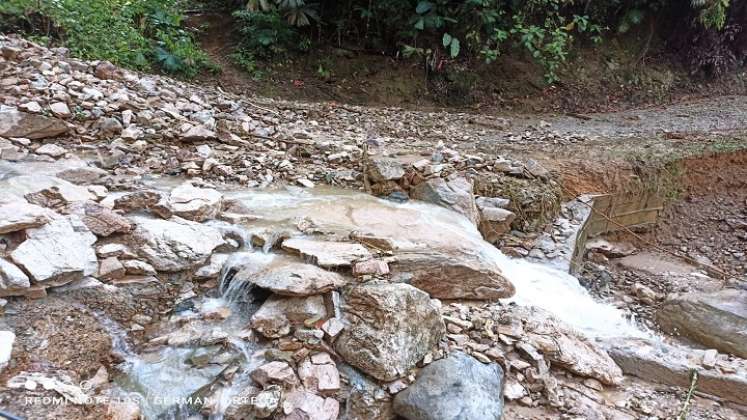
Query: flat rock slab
(327, 254)
(292, 278)
(389, 328)
(669, 365)
(17, 215)
(453, 275)
(457, 387)
(59, 252)
(175, 244)
(717, 320)
(15, 123)
(656, 264)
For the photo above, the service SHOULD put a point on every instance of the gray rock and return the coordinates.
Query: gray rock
(290, 278)
(59, 252)
(455, 388)
(382, 169)
(456, 193)
(15, 123)
(175, 244)
(13, 281)
(669, 365)
(717, 320)
(390, 327)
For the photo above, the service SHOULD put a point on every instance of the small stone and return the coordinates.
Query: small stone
(333, 327)
(277, 373)
(370, 267)
(305, 183)
(110, 268)
(709, 358)
(60, 109)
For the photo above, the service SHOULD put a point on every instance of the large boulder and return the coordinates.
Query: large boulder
(14, 123)
(292, 278)
(390, 327)
(717, 320)
(457, 387)
(175, 244)
(456, 194)
(13, 281)
(16, 214)
(57, 253)
(193, 203)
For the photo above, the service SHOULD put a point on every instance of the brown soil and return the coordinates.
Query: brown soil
(595, 80)
(710, 217)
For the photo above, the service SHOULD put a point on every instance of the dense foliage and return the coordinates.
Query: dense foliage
(138, 34)
(442, 31)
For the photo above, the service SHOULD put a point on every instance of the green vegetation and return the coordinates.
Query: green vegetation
(139, 34)
(445, 31)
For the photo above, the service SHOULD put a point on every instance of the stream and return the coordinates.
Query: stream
(162, 379)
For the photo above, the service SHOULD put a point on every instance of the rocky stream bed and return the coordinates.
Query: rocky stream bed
(175, 252)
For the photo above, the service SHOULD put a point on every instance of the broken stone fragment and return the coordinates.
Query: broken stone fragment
(13, 281)
(110, 268)
(371, 267)
(494, 223)
(103, 221)
(292, 279)
(319, 374)
(327, 254)
(51, 150)
(309, 406)
(382, 169)
(193, 203)
(275, 373)
(17, 214)
(175, 244)
(390, 327)
(278, 314)
(57, 253)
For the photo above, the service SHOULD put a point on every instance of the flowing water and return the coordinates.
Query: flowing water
(164, 376)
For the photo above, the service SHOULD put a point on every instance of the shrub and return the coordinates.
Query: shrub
(132, 33)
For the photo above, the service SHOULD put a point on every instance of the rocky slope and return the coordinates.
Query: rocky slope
(139, 266)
